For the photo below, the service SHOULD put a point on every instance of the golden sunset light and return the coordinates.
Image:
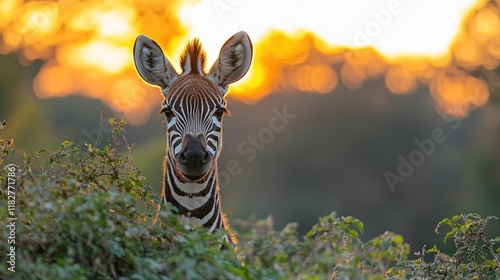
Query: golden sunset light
(152, 138)
(392, 27)
(87, 47)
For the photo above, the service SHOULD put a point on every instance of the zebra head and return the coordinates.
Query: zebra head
(194, 101)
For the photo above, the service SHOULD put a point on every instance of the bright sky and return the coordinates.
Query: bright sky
(394, 27)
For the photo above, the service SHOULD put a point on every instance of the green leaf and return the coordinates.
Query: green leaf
(490, 263)
(433, 249)
(67, 143)
(398, 239)
(360, 226)
(448, 235)
(353, 233)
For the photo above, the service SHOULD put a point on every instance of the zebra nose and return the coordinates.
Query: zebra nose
(207, 158)
(190, 156)
(194, 158)
(194, 148)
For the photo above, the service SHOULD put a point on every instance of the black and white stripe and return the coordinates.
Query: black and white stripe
(194, 106)
(194, 109)
(198, 201)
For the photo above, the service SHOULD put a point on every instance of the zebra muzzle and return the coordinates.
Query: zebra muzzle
(194, 160)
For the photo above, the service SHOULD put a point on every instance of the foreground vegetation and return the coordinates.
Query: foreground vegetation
(86, 213)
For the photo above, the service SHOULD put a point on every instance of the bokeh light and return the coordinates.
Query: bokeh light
(87, 49)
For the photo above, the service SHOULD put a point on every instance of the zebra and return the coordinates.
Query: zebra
(194, 105)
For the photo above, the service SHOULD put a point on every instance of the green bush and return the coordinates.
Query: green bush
(86, 213)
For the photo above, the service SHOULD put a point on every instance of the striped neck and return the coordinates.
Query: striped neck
(198, 203)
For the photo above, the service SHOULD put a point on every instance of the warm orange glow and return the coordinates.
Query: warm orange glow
(106, 56)
(87, 47)
(54, 81)
(458, 94)
(353, 75)
(400, 80)
(468, 54)
(312, 78)
(322, 79)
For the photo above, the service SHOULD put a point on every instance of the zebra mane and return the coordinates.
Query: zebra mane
(194, 58)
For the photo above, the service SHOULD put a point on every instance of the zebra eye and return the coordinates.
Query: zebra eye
(167, 111)
(220, 112)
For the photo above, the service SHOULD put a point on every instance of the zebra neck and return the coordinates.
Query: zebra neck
(197, 203)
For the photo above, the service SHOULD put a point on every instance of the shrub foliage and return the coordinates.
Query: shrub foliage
(86, 213)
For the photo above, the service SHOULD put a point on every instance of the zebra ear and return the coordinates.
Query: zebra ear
(152, 65)
(234, 60)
